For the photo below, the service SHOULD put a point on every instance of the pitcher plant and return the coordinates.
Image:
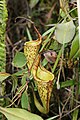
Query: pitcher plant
(42, 77)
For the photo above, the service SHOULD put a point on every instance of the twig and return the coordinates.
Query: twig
(18, 95)
(71, 111)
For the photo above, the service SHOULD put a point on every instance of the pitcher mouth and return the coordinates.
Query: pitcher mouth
(44, 75)
(33, 42)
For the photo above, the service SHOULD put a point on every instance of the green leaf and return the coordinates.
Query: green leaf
(57, 60)
(67, 83)
(24, 100)
(18, 114)
(21, 72)
(23, 80)
(65, 32)
(48, 31)
(29, 35)
(75, 114)
(3, 76)
(19, 60)
(14, 82)
(33, 3)
(55, 46)
(74, 46)
(44, 62)
(77, 54)
(46, 41)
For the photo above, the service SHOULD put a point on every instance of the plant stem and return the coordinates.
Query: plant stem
(29, 35)
(78, 8)
(75, 113)
(57, 60)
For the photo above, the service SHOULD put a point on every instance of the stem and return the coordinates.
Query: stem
(78, 8)
(57, 60)
(29, 35)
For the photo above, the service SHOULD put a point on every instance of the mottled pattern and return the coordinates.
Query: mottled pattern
(33, 61)
(45, 89)
(31, 51)
(44, 86)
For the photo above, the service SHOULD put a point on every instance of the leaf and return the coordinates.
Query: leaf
(67, 83)
(55, 46)
(14, 82)
(46, 41)
(29, 35)
(33, 3)
(21, 72)
(23, 80)
(77, 54)
(74, 46)
(24, 100)
(57, 60)
(48, 31)
(19, 60)
(75, 114)
(18, 114)
(38, 105)
(44, 62)
(3, 76)
(65, 32)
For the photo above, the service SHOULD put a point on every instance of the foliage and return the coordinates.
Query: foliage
(74, 46)
(18, 114)
(19, 60)
(65, 32)
(3, 18)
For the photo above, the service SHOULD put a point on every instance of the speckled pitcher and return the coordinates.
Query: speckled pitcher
(43, 78)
